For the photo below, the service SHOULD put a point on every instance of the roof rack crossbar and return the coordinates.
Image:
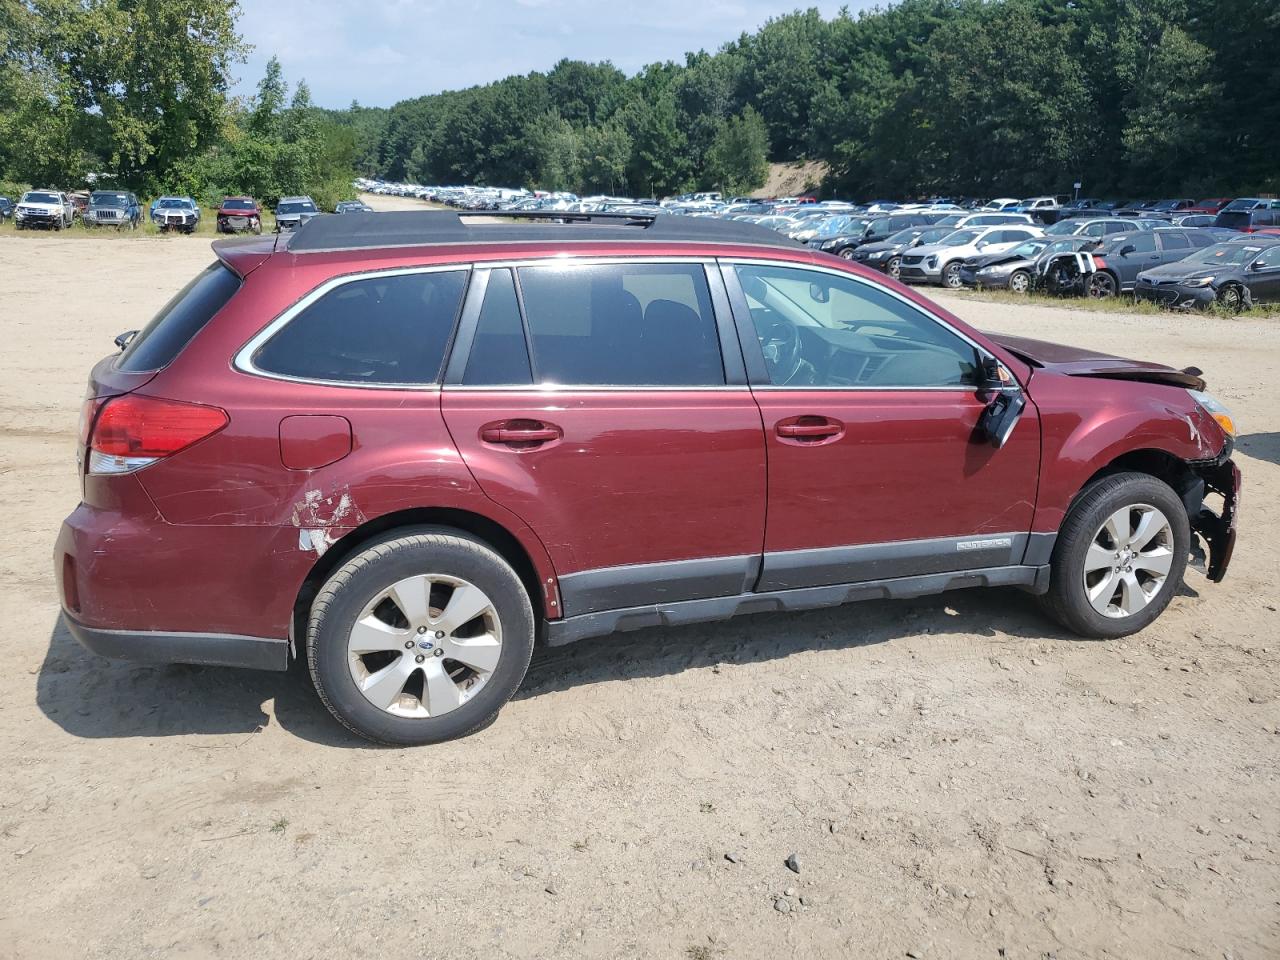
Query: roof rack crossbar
(560, 216)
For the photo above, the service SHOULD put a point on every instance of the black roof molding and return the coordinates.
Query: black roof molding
(416, 228)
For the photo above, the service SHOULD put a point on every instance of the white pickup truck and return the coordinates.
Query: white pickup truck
(45, 209)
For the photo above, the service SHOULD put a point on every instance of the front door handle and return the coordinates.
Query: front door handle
(520, 433)
(809, 429)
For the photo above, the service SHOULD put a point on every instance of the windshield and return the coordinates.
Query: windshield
(233, 204)
(959, 238)
(834, 226)
(1225, 253)
(1063, 228)
(1063, 246)
(34, 197)
(950, 221)
(175, 204)
(1166, 204)
(304, 206)
(1244, 203)
(1028, 249)
(107, 199)
(934, 235)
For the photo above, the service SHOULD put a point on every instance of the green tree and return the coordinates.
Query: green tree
(738, 160)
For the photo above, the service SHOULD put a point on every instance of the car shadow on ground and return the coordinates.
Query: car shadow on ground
(94, 698)
(1260, 446)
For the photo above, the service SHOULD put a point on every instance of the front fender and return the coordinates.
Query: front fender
(1089, 423)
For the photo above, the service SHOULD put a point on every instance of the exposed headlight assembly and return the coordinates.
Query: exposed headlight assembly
(1216, 409)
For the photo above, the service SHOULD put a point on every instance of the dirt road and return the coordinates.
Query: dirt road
(956, 776)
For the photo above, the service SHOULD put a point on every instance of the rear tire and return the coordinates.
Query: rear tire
(1101, 286)
(1106, 579)
(430, 692)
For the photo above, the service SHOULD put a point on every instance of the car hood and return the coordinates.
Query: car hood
(1184, 271)
(1077, 362)
(879, 246)
(994, 259)
(839, 238)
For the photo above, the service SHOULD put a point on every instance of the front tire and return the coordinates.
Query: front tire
(1231, 298)
(1101, 286)
(894, 268)
(1020, 281)
(846, 253)
(420, 638)
(1119, 557)
(951, 276)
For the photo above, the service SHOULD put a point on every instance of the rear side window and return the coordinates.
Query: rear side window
(635, 324)
(1174, 241)
(390, 329)
(179, 320)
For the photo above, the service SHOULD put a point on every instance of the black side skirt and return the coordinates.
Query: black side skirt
(210, 649)
(571, 629)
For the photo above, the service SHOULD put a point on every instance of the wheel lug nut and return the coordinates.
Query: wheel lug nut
(419, 658)
(439, 634)
(424, 629)
(408, 644)
(439, 652)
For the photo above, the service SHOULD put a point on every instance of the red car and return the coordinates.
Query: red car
(409, 450)
(238, 215)
(1209, 206)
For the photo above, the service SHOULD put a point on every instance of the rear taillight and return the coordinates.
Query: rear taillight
(133, 431)
(1099, 263)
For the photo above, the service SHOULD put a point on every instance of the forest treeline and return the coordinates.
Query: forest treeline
(976, 97)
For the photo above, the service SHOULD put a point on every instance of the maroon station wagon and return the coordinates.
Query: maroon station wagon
(410, 446)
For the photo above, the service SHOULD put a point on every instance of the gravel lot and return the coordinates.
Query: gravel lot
(955, 776)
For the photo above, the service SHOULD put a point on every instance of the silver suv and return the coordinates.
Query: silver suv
(293, 212)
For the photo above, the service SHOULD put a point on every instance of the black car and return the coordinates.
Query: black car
(1019, 269)
(6, 209)
(353, 206)
(886, 254)
(873, 230)
(1235, 274)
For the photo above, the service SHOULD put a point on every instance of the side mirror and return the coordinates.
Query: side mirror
(1005, 406)
(1127, 249)
(1257, 265)
(819, 293)
(124, 339)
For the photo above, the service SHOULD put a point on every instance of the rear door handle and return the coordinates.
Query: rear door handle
(520, 432)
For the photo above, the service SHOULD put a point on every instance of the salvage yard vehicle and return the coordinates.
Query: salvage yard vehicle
(404, 448)
(6, 209)
(1248, 214)
(239, 215)
(293, 212)
(44, 210)
(112, 208)
(1235, 274)
(176, 213)
(941, 262)
(1020, 269)
(1118, 260)
(886, 255)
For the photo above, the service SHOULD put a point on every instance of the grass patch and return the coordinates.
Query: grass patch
(1124, 303)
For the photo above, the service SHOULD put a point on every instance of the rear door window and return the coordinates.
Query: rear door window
(179, 320)
(1174, 241)
(389, 329)
(634, 324)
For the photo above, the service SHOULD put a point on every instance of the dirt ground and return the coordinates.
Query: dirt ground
(956, 777)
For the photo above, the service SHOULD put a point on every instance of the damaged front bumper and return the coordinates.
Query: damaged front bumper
(1220, 476)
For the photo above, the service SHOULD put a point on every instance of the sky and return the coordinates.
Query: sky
(381, 51)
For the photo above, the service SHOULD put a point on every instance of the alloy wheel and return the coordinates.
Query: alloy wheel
(847, 253)
(1231, 299)
(1128, 560)
(894, 269)
(1101, 286)
(1020, 282)
(425, 645)
(951, 276)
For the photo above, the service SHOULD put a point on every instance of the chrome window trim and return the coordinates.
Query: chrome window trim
(243, 360)
(983, 352)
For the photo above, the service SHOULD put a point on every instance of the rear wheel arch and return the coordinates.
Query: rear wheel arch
(460, 522)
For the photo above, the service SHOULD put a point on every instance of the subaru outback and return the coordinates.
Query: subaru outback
(403, 448)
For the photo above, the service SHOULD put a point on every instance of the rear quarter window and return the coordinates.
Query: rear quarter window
(179, 320)
(389, 329)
